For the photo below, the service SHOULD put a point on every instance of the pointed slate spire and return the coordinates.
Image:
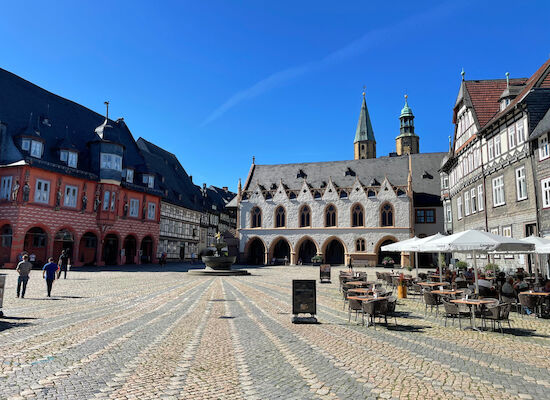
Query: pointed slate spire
(364, 129)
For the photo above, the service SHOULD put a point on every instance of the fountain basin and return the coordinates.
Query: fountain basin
(219, 263)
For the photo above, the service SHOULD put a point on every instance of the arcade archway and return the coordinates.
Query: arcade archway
(110, 249)
(130, 249)
(256, 252)
(334, 252)
(306, 251)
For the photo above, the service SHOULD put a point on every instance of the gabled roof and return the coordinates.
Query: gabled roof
(542, 127)
(396, 169)
(177, 187)
(364, 129)
(540, 79)
(55, 117)
(484, 96)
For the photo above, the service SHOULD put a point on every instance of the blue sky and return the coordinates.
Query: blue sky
(217, 82)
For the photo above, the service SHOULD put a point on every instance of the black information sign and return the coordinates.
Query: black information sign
(304, 297)
(324, 273)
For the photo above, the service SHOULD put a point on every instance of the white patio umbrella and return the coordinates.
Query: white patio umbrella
(542, 246)
(474, 242)
(403, 245)
(423, 246)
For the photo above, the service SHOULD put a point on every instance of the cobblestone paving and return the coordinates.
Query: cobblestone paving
(166, 334)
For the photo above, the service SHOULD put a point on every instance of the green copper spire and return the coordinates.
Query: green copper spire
(406, 110)
(364, 127)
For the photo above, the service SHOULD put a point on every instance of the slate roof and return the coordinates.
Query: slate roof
(60, 123)
(542, 127)
(364, 129)
(396, 169)
(176, 181)
(484, 96)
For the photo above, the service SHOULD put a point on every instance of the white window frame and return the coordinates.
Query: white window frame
(491, 149)
(111, 161)
(544, 152)
(151, 211)
(63, 155)
(473, 199)
(42, 195)
(106, 200)
(499, 198)
(36, 148)
(72, 159)
(520, 132)
(459, 208)
(545, 190)
(521, 184)
(25, 144)
(71, 196)
(498, 146)
(5, 187)
(511, 136)
(495, 231)
(149, 180)
(448, 212)
(130, 175)
(507, 231)
(480, 200)
(134, 208)
(466, 203)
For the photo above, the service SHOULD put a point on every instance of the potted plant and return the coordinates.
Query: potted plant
(317, 260)
(492, 269)
(461, 265)
(388, 262)
(401, 287)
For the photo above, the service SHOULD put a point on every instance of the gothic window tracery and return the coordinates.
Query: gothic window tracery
(357, 215)
(305, 217)
(280, 217)
(330, 215)
(386, 215)
(256, 217)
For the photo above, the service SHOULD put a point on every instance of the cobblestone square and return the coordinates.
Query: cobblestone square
(123, 333)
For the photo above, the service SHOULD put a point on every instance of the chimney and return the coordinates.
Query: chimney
(225, 189)
(191, 177)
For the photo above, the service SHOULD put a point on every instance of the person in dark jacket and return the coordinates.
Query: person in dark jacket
(63, 263)
(24, 269)
(49, 272)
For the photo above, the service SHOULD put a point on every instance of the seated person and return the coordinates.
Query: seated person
(507, 290)
(486, 288)
(521, 286)
(469, 274)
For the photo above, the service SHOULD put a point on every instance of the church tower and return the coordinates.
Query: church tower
(364, 145)
(407, 142)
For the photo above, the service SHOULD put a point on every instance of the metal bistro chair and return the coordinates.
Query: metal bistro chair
(345, 297)
(452, 311)
(354, 305)
(433, 301)
(375, 308)
(416, 290)
(497, 314)
(389, 280)
(392, 303)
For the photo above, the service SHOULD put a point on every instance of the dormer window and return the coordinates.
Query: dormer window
(111, 161)
(130, 175)
(504, 103)
(36, 148)
(149, 180)
(70, 157)
(25, 144)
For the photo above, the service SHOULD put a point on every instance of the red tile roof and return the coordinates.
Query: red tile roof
(485, 96)
(538, 79)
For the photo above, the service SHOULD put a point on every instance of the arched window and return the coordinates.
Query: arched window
(386, 215)
(279, 217)
(256, 217)
(305, 216)
(330, 215)
(360, 245)
(357, 215)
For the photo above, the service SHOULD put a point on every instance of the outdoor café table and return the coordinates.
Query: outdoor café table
(446, 292)
(433, 284)
(361, 290)
(543, 297)
(366, 298)
(472, 303)
(358, 283)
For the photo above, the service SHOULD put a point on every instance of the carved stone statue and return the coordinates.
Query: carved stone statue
(125, 208)
(15, 191)
(144, 209)
(84, 201)
(26, 191)
(113, 202)
(97, 202)
(58, 196)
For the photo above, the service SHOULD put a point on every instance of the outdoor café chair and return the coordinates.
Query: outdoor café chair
(452, 311)
(354, 305)
(416, 290)
(392, 303)
(497, 314)
(345, 297)
(432, 301)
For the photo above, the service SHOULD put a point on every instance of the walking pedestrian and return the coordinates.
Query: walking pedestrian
(24, 269)
(63, 263)
(48, 272)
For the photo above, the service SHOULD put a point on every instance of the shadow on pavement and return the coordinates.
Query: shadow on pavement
(5, 322)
